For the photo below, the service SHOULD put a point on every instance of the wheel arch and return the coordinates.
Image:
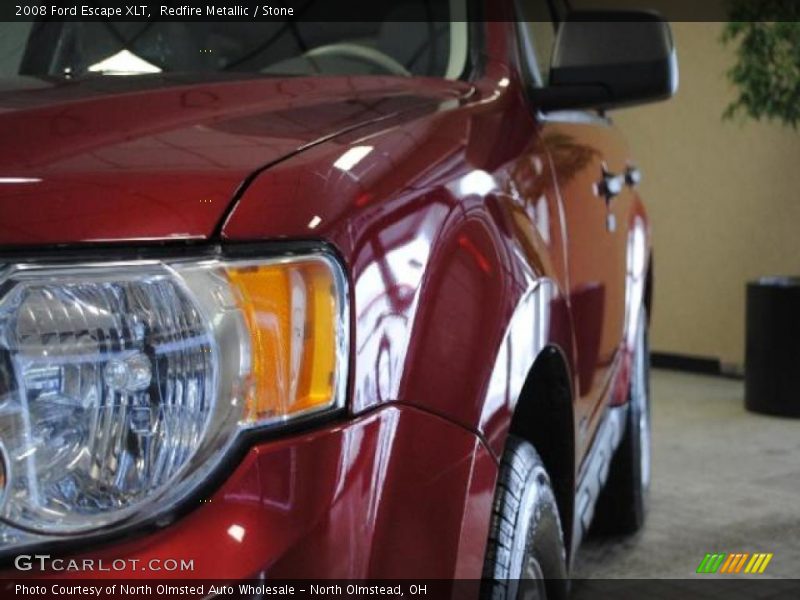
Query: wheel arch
(544, 417)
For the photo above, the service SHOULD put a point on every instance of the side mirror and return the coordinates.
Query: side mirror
(609, 59)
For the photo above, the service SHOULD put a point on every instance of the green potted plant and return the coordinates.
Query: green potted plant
(766, 73)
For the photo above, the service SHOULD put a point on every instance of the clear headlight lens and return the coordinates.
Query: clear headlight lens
(122, 386)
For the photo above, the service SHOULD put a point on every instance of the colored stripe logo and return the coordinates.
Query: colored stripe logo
(733, 563)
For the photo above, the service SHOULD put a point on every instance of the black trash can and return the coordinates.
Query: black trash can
(772, 368)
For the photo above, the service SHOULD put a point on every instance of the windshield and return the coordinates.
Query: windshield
(398, 45)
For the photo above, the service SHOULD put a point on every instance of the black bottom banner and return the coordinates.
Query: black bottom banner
(618, 589)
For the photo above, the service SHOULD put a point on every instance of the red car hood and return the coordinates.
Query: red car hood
(122, 159)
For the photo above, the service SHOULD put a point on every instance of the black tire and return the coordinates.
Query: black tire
(622, 506)
(525, 557)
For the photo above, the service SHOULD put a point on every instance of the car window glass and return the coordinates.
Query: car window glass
(540, 37)
(415, 37)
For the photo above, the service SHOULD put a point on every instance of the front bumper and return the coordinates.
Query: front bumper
(396, 493)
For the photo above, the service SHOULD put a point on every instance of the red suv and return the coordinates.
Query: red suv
(324, 300)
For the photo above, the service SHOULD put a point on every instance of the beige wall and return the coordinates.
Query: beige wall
(724, 201)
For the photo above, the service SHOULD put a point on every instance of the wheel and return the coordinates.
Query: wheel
(622, 506)
(525, 556)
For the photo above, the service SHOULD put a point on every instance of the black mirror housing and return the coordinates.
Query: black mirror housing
(610, 59)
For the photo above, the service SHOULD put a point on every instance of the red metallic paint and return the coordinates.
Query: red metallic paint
(106, 161)
(472, 239)
(336, 503)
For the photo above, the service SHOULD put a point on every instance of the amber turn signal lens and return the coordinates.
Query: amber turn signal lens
(294, 314)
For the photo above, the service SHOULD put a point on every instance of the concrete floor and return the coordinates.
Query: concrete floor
(724, 480)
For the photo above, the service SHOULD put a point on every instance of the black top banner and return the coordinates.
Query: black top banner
(378, 10)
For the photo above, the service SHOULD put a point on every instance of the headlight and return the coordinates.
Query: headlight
(123, 385)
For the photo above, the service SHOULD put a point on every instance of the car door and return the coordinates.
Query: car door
(589, 161)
